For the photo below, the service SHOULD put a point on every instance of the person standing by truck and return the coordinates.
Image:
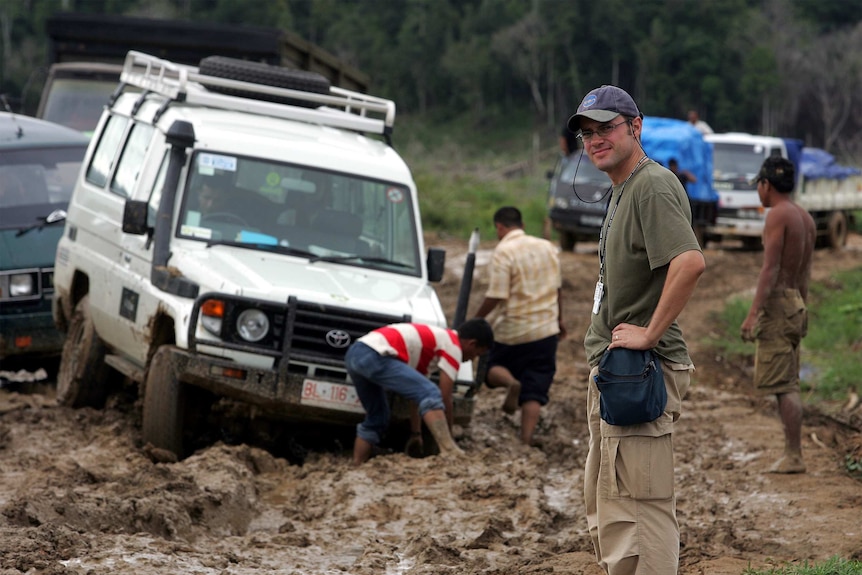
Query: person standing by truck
(778, 318)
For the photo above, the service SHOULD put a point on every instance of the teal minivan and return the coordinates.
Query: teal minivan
(39, 162)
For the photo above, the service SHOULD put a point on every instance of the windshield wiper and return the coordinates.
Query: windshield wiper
(364, 259)
(52, 218)
(263, 247)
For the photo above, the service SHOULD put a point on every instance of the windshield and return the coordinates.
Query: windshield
(78, 104)
(737, 161)
(579, 169)
(39, 179)
(300, 210)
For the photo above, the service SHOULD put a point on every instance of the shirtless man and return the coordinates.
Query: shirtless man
(778, 318)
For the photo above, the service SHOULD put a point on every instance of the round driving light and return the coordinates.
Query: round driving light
(252, 325)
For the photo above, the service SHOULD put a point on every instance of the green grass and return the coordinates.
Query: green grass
(833, 566)
(830, 366)
(465, 172)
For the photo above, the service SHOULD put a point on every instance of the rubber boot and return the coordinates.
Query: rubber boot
(440, 431)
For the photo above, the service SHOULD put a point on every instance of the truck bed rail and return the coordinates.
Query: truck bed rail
(340, 108)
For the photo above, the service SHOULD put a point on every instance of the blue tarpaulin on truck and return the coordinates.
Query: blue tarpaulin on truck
(666, 138)
(816, 163)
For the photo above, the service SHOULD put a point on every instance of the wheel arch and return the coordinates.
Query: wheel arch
(162, 332)
(68, 300)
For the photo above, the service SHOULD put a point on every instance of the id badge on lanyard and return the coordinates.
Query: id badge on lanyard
(597, 297)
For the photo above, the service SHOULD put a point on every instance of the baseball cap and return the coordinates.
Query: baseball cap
(603, 105)
(779, 172)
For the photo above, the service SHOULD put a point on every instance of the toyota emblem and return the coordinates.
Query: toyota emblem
(337, 338)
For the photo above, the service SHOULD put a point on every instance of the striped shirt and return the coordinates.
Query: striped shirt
(525, 273)
(422, 347)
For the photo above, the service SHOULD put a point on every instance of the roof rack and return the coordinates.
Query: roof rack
(340, 108)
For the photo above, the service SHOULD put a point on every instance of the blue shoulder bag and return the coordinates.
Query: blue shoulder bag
(631, 386)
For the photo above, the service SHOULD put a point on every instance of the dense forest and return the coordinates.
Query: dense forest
(782, 67)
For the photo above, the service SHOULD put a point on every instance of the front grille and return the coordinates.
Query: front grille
(301, 332)
(313, 322)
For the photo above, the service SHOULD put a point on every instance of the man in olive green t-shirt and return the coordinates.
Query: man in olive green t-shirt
(650, 262)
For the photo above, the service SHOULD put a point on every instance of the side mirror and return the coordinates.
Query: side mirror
(135, 217)
(436, 263)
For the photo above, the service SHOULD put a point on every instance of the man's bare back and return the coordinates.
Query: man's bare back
(788, 244)
(794, 250)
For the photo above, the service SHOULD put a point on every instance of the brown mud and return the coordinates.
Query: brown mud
(79, 494)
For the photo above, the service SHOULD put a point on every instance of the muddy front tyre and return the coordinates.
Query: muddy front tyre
(83, 376)
(164, 404)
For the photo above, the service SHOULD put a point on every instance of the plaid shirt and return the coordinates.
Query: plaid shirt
(525, 272)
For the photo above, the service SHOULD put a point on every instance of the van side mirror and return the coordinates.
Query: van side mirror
(436, 263)
(135, 217)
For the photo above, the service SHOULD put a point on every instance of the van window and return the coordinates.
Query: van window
(131, 160)
(156, 195)
(102, 162)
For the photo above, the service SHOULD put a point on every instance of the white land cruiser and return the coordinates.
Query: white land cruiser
(233, 229)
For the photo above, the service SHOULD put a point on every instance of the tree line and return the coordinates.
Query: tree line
(790, 68)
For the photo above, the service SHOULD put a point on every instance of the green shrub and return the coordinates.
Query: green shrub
(830, 365)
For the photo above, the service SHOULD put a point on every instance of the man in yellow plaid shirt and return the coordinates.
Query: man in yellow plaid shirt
(524, 288)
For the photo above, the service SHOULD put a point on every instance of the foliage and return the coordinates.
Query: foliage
(463, 176)
(782, 67)
(832, 566)
(830, 366)
(835, 327)
(724, 338)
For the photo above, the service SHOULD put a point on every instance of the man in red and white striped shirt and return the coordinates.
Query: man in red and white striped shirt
(398, 358)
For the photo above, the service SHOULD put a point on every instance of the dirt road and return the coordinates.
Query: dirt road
(80, 496)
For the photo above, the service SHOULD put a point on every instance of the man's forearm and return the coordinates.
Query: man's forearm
(487, 306)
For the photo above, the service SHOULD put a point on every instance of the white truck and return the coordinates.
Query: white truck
(830, 193)
(318, 241)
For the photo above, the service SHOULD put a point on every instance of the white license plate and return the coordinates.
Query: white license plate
(331, 396)
(592, 221)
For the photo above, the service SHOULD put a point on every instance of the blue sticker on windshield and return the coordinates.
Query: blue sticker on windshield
(217, 161)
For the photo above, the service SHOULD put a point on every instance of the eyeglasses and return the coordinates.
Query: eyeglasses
(602, 131)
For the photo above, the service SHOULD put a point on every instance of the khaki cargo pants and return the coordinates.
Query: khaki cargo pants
(629, 485)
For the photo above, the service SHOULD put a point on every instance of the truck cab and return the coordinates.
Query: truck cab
(736, 160)
(76, 93)
(231, 239)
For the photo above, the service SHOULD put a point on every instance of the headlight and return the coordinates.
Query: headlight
(252, 325)
(21, 285)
